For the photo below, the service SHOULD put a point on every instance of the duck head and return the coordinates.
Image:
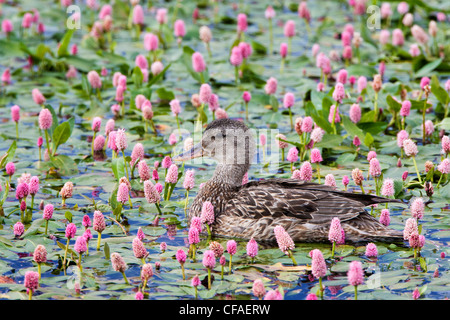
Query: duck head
(231, 143)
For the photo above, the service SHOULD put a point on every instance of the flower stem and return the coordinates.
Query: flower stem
(209, 278)
(423, 121)
(333, 249)
(417, 170)
(375, 117)
(439, 182)
(65, 254)
(99, 239)
(48, 143)
(229, 271)
(92, 144)
(356, 292)
(17, 130)
(290, 119)
(125, 164)
(187, 200)
(292, 257)
(39, 270)
(125, 278)
(318, 172)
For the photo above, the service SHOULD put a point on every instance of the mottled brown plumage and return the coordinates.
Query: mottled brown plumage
(304, 209)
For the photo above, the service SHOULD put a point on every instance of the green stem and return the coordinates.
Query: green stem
(292, 257)
(333, 249)
(320, 287)
(17, 130)
(356, 292)
(362, 189)
(158, 208)
(79, 262)
(417, 170)
(30, 294)
(229, 271)
(125, 278)
(290, 119)
(209, 278)
(39, 270)
(46, 226)
(92, 144)
(318, 172)
(236, 75)
(246, 111)
(48, 143)
(423, 121)
(182, 271)
(125, 164)
(439, 182)
(209, 230)
(376, 107)
(270, 37)
(65, 255)
(333, 124)
(187, 200)
(99, 239)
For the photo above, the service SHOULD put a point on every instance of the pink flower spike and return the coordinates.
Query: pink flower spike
(388, 188)
(371, 250)
(45, 119)
(207, 213)
(306, 171)
(179, 28)
(292, 155)
(316, 156)
(289, 29)
(355, 274)
(71, 230)
(258, 288)
(172, 174)
(252, 248)
(334, 233)
(385, 218)
(198, 63)
(417, 208)
(284, 240)
(318, 265)
(242, 24)
(288, 100)
(355, 113)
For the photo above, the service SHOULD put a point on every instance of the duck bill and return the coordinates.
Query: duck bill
(195, 152)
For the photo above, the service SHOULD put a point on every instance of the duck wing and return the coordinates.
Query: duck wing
(305, 202)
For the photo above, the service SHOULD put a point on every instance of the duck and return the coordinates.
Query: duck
(254, 209)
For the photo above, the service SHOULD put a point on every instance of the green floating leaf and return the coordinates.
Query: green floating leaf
(393, 104)
(107, 251)
(61, 135)
(65, 165)
(118, 167)
(368, 139)
(137, 76)
(64, 44)
(68, 216)
(9, 155)
(165, 94)
(427, 69)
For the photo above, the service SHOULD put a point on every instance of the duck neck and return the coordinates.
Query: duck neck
(230, 174)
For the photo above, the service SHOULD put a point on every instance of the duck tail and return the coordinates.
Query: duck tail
(368, 199)
(366, 228)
